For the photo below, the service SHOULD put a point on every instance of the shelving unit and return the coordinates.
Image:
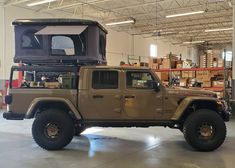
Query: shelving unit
(212, 88)
(190, 69)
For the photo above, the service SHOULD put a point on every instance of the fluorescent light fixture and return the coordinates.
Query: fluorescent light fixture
(121, 22)
(185, 14)
(215, 30)
(193, 42)
(40, 2)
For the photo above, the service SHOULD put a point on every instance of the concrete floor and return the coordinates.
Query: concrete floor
(153, 147)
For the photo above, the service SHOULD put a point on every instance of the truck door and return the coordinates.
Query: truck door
(141, 101)
(104, 100)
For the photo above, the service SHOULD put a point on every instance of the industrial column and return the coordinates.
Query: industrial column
(233, 66)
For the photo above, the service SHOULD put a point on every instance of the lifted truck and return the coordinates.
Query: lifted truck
(111, 97)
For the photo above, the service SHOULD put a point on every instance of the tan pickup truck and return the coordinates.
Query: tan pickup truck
(111, 97)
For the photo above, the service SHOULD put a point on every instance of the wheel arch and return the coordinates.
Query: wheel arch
(38, 104)
(190, 105)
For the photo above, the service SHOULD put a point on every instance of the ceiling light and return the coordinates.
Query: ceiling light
(40, 2)
(215, 30)
(121, 22)
(185, 14)
(193, 42)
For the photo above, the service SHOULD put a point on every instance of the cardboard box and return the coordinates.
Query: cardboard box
(165, 83)
(157, 60)
(163, 76)
(188, 74)
(216, 53)
(206, 84)
(155, 66)
(220, 62)
(176, 73)
(204, 74)
(166, 63)
(220, 94)
(209, 61)
(219, 83)
(52, 85)
(183, 82)
(179, 66)
(202, 61)
(160, 66)
(144, 64)
(206, 79)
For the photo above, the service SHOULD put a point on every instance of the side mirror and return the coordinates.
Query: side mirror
(154, 85)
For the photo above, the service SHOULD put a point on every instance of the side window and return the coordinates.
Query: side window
(31, 41)
(139, 80)
(62, 46)
(105, 80)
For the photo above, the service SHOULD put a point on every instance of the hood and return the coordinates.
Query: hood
(190, 92)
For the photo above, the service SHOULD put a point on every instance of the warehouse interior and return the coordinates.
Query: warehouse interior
(187, 44)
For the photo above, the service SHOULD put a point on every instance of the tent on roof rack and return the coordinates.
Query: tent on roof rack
(59, 41)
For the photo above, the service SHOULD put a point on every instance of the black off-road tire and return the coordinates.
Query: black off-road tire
(194, 121)
(64, 123)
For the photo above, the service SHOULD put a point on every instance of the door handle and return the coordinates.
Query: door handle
(129, 97)
(98, 96)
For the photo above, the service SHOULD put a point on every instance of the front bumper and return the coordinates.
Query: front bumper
(13, 116)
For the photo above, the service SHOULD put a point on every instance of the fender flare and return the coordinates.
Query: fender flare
(31, 110)
(188, 101)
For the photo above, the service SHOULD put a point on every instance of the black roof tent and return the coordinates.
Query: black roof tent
(59, 41)
(57, 22)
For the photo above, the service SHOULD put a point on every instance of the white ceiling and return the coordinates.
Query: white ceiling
(150, 16)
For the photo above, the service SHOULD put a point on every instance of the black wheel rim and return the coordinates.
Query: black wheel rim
(52, 131)
(206, 131)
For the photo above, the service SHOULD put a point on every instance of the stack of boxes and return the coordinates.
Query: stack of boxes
(204, 77)
(202, 61)
(168, 62)
(165, 62)
(211, 59)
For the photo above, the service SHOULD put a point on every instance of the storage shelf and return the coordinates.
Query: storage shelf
(190, 69)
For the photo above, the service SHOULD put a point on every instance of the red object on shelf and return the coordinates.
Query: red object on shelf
(15, 84)
(20, 74)
(190, 69)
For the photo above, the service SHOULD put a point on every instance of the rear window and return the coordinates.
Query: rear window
(105, 80)
(43, 80)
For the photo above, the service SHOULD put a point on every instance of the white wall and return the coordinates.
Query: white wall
(119, 44)
(1, 42)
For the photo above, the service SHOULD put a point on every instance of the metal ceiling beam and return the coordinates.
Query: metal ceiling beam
(71, 5)
(15, 2)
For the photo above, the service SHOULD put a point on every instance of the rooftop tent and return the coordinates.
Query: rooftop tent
(59, 41)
